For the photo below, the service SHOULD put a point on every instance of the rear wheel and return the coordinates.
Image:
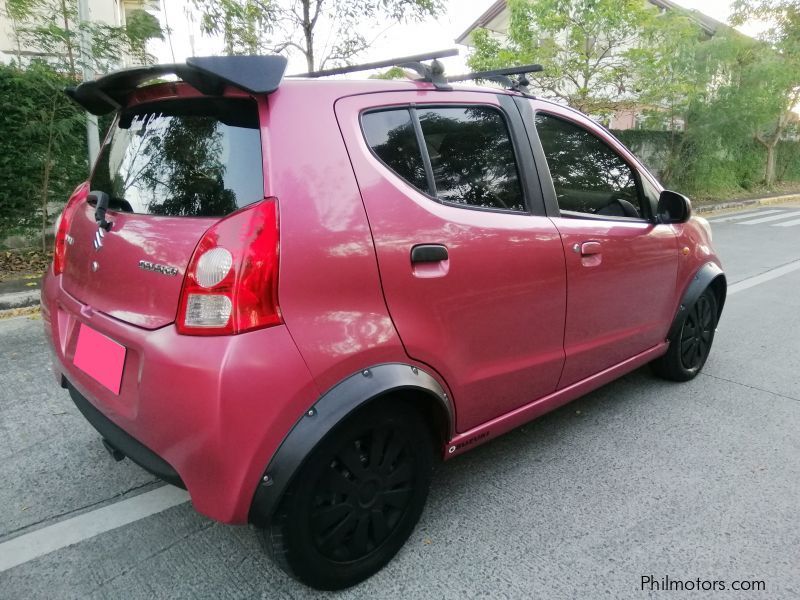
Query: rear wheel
(690, 345)
(356, 499)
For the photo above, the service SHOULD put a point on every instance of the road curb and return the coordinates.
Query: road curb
(737, 204)
(19, 299)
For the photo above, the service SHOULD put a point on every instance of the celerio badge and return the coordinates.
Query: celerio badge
(156, 268)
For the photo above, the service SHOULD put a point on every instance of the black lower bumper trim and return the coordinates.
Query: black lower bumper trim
(122, 441)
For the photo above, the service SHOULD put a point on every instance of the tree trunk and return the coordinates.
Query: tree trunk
(46, 175)
(15, 28)
(769, 171)
(228, 35)
(68, 42)
(308, 34)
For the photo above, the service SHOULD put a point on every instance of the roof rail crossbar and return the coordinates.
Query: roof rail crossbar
(433, 73)
(501, 76)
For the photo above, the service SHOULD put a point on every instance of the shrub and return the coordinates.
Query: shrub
(42, 147)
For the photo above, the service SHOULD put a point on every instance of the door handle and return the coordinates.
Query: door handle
(590, 248)
(428, 253)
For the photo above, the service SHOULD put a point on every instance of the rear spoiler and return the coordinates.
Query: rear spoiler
(209, 75)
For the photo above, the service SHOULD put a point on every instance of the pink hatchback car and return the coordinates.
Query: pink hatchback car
(289, 295)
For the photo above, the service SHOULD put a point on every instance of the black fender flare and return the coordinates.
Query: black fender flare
(704, 277)
(331, 409)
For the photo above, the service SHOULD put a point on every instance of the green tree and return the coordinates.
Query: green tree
(141, 27)
(770, 79)
(281, 26)
(391, 73)
(585, 47)
(243, 24)
(671, 78)
(42, 148)
(50, 29)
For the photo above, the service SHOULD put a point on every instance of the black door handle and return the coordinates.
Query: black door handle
(428, 253)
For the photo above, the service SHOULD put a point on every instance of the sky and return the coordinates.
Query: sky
(394, 40)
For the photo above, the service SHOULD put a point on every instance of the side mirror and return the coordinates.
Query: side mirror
(673, 208)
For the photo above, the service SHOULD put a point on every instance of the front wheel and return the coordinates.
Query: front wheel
(356, 500)
(690, 345)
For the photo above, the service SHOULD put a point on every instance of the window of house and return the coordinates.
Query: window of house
(588, 175)
(467, 159)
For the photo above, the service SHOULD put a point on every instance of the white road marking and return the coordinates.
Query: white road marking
(743, 215)
(746, 284)
(788, 223)
(768, 219)
(37, 543)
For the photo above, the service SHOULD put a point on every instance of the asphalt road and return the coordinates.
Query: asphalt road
(642, 477)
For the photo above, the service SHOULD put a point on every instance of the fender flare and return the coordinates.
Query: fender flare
(704, 277)
(331, 409)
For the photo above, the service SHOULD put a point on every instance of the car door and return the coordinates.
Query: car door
(621, 265)
(472, 270)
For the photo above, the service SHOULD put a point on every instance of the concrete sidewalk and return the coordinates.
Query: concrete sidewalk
(20, 292)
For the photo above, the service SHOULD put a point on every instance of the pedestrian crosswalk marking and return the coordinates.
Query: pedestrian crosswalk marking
(744, 215)
(788, 223)
(767, 219)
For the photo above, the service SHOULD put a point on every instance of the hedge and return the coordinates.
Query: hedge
(35, 113)
(706, 166)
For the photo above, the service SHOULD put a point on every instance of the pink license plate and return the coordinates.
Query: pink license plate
(100, 357)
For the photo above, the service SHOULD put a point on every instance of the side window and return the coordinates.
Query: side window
(468, 154)
(589, 177)
(390, 134)
(472, 157)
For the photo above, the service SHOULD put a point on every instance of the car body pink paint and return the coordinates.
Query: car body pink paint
(528, 311)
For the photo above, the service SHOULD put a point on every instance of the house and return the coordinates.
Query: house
(107, 12)
(496, 19)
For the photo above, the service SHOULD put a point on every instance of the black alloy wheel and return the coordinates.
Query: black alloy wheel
(356, 499)
(697, 333)
(362, 496)
(690, 346)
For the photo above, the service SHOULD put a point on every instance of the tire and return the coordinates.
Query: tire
(356, 499)
(690, 345)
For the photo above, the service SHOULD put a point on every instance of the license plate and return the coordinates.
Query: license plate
(100, 357)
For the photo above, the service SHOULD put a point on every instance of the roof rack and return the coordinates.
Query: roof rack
(501, 76)
(433, 73)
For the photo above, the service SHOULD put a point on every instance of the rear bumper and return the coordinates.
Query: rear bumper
(208, 412)
(123, 442)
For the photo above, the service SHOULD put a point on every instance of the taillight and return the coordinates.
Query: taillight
(231, 283)
(62, 225)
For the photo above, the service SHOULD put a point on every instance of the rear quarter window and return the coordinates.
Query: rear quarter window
(194, 158)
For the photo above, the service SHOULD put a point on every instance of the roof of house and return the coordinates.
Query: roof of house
(709, 24)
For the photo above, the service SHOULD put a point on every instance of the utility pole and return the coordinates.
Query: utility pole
(92, 132)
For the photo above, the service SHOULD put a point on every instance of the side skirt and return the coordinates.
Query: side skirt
(511, 420)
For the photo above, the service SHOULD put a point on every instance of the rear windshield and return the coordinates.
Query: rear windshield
(194, 158)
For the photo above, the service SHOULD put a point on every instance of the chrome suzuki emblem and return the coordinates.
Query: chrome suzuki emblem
(156, 268)
(98, 238)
